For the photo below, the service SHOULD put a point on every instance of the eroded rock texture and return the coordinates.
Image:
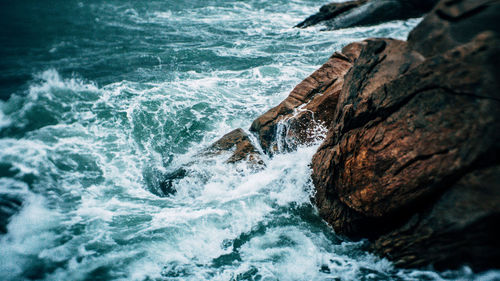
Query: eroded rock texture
(411, 158)
(415, 142)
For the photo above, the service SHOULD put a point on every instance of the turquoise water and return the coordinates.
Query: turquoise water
(101, 99)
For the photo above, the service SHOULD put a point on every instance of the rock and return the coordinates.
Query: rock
(453, 23)
(367, 12)
(432, 122)
(411, 158)
(307, 105)
(237, 143)
(166, 185)
(241, 146)
(329, 11)
(10, 204)
(379, 62)
(460, 226)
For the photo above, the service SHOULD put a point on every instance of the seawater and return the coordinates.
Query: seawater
(101, 99)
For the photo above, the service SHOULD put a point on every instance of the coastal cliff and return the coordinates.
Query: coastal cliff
(411, 157)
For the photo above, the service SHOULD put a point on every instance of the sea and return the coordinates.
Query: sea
(101, 100)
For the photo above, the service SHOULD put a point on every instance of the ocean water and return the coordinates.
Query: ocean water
(101, 99)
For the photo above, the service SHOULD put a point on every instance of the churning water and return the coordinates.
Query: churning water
(103, 98)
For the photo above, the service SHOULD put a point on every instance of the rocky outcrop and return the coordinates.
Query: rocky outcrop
(240, 145)
(236, 145)
(308, 105)
(453, 23)
(366, 12)
(411, 158)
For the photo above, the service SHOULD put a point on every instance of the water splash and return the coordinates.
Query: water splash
(79, 152)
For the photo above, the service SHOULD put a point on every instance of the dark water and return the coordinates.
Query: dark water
(103, 98)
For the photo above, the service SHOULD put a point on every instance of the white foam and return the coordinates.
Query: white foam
(93, 210)
(4, 120)
(29, 233)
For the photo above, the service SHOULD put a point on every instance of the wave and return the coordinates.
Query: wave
(78, 157)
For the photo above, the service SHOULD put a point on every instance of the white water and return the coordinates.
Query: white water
(83, 158)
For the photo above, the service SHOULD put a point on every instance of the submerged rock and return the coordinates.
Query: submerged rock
(237, 144)
(10, 205)
(166, 185)
(366, 12)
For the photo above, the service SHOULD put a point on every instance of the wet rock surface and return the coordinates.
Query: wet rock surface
(411, 157)
(309, 103)
(366, 12)
(240, 145)
(330, 11)
(415, 142)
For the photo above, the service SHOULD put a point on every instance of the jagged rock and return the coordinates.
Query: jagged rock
(432, 122)
(241, 146)
(307, 105)
(367, 12)
(416, 135)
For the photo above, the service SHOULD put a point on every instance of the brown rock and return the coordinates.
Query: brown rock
(460, 226)
(431, 123)
(453, 23)
(415, 137)
(241, 146)
(236, 142)
(307, 104)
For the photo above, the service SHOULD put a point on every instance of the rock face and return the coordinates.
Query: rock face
(411, 159)
(460, 226)
(366, 12)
